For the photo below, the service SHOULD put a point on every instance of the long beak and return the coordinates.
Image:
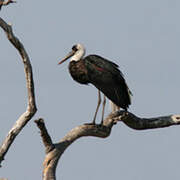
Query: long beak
(67, 57)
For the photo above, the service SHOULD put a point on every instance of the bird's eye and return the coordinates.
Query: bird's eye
(74, 48)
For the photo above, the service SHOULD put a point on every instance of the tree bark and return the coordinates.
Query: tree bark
(31, 105)
(55, 150)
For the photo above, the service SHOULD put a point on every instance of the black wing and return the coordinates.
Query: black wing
(106, 76)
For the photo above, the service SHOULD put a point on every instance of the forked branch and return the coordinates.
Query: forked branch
(54, 151)
(31, 106)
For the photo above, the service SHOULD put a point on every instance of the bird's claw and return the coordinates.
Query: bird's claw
(92, 123)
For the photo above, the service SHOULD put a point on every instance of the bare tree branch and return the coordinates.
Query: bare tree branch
(57, 150)
(137, 123)
(31, 107)
(102, 131)
(45, 136)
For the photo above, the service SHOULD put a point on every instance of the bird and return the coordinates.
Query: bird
(103, 74)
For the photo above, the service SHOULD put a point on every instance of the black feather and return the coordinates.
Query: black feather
(106, 77)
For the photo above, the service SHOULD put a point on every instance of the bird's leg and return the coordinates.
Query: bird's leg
(99, 102)
(103, 108)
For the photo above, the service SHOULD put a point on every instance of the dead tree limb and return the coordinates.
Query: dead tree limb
(54, 151)
(31, 106)
(137, 123)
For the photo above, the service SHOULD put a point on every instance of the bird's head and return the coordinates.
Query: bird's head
(76, 53)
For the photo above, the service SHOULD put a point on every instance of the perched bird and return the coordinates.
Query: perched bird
(102, 73)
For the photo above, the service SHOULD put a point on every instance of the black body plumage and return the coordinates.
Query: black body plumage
(104, 75)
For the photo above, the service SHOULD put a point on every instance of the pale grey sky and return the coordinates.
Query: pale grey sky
(142, 37)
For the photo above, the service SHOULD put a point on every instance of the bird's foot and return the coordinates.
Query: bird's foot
(101, 124)
(92, 123)
(102, 120)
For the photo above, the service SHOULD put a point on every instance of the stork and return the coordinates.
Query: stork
(103, 74)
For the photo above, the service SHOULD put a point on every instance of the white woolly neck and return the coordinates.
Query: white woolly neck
(79, 53)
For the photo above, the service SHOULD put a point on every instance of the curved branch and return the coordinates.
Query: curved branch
(31, 107)
(56, 150)
(138, 123)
